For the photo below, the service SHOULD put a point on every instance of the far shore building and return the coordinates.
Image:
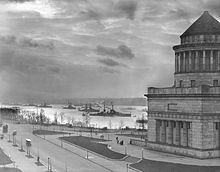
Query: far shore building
(185, 118)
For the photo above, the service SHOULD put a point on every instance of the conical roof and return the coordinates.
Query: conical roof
(204, 25)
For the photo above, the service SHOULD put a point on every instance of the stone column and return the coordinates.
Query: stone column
(197, 61)
(211, 61)
(158, 130)
(179, 63)
(184, 61)
(163, 132)
(215, 61)
(203, 60)
(184, 134)
(218, 131)
(176, 133)
(218, 64)
(190, 61)
(187, 63)
(169, 133)
(189, 134)
(176, 63)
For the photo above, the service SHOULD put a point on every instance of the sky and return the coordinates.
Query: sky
(56, 49)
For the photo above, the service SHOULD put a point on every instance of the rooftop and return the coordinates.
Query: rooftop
(204, 25)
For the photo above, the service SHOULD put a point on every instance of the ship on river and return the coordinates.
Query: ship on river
(69, 106)
(110, 113)
(44, 105)
(88, 109)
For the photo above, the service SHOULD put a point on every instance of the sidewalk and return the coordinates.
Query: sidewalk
(136, 151)
(22, 162)
(110, 165)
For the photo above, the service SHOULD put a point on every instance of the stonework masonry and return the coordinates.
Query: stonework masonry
(185, 118)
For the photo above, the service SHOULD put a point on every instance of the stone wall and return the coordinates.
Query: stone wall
(184, 151)
(152, 130)
(187, 138)
(185, 105)
(180, 104)
(137, 142)
(200, 79)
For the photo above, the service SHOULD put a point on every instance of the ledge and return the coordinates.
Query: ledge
(197, 45)
(201, 91)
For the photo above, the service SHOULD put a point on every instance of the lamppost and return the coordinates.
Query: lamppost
(142, 153)
(125, 149)
(21, 145)
(38, 155)
(48, 164)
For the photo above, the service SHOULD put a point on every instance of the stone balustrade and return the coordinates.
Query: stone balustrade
(203, 89)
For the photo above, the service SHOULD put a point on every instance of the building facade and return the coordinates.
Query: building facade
(185, 118)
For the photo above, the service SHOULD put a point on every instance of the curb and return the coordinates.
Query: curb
(77, 154)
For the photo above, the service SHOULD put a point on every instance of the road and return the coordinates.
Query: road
(62, 160)
(67, 159)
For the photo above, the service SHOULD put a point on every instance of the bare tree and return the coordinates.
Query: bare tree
(73, 120)
(69, 119)
(56, 118)
(62, 114)
(110, 124)
(121, 124)
(86, 119)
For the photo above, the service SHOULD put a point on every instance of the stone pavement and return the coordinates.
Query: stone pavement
(21, 161)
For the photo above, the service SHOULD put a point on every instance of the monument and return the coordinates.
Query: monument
(185, 118)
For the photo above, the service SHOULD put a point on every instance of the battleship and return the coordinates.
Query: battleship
(44, 105)
(88, 109)
(31, 104)
(69, 106)
(110, 113)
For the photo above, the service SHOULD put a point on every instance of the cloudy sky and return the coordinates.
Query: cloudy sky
(91, 48)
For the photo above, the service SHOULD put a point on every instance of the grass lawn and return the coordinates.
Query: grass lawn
(4, 159)
(6, 169)
(47, 132)
(157, 166)
(93, 145)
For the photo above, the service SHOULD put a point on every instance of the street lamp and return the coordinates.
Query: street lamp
(142, 153)
(125, 149)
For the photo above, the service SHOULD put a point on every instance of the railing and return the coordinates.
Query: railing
(204, 89)
(136, 142)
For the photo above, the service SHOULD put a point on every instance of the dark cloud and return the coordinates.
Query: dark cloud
(91, 14)
(122, 52)
(54, 69)
(20, 1)
(26, 63)
(128, 8)
(108, 70)
(109, 62)
(26, 42)
(213, 6)
(179, 13)
(110, 9)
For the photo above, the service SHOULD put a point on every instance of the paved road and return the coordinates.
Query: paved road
(60, 157)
